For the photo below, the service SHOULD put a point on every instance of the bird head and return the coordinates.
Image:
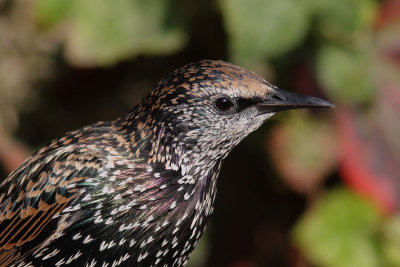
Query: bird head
(210, 106)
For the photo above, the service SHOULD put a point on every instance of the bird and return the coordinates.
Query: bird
(139, 190)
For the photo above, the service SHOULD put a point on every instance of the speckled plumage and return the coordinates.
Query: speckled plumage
(136, 191)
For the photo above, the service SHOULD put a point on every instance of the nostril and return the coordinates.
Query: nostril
(278, 97)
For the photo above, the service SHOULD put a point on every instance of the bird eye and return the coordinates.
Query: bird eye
(223, 104)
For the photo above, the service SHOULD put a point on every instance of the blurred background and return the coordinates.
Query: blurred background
(310, 188)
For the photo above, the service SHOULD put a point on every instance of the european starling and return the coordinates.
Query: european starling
(139, 190)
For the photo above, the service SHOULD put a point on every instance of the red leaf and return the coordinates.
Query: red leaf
(366, 162)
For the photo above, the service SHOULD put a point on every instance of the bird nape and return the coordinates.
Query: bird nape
(137, 191)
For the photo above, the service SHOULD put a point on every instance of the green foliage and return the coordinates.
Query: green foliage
(339, 231)
(49, 13)
(346, 74)
(391, 241)
(260, 29)
(304, 151)
(345, 64)
(342, 20)
(102, 32)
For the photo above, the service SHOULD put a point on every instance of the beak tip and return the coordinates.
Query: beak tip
(320, 103)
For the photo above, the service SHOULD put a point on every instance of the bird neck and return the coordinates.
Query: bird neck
(156, 142)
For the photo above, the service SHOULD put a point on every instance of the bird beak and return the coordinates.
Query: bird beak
(283, 100)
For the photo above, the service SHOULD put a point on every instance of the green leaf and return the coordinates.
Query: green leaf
(339, 231)
(391, 241)
(264, 28)
(50, 12)
(346, 75)
(104, 32)
(303, 150)
(340, 20)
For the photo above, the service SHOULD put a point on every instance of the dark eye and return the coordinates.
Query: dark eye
(223, 104)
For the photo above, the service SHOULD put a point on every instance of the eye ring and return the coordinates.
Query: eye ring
(224, 104)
